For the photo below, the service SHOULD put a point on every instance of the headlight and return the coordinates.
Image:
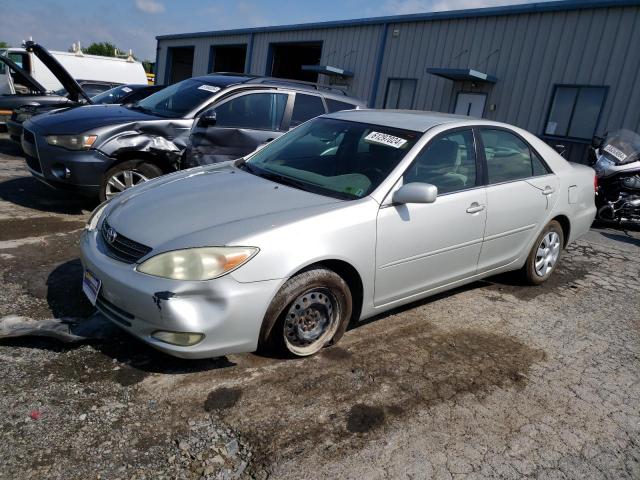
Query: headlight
(203, 263)
(72, 142)
(94, 219)
(21, 117)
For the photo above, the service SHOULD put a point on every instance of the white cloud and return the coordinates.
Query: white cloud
(400, 7)
(149, 6)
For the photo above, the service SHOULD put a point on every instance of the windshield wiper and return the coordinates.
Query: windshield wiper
(275, 177)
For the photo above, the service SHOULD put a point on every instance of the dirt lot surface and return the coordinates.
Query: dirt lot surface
(494, 380)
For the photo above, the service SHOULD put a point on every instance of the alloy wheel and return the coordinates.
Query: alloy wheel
(122, 180)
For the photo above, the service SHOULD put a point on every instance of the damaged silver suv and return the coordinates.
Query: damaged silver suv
(101, 150)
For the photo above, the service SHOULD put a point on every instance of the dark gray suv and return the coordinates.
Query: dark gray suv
(256, 113)
(102, 150)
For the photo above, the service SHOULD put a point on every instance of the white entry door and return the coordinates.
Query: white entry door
(470, 104)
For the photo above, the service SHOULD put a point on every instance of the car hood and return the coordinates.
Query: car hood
(22, 76)
(207, 206)
(87, 118)
(72, 87)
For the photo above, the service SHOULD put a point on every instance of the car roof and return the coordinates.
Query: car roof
(224, 80)
(416, 120)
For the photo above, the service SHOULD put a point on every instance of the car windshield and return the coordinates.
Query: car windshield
(112, 95)
(178, 99)
(337, 158)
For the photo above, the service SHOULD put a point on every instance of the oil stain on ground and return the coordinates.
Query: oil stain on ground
(363, 418)
(349, 399)
(15, 228)
(222, 399)
(512, 284)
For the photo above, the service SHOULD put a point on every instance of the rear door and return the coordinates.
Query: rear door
(521, 191)
(243, 123)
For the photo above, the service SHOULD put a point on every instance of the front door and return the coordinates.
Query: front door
(470, 104)
(243, 123)
(521, 192)
(424, 246)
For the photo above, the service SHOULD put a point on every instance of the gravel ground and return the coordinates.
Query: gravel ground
(494, 380)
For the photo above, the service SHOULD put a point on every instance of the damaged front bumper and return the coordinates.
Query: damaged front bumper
(228, 313)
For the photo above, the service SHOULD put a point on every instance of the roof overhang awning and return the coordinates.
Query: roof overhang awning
(328, 70)
(462, 74)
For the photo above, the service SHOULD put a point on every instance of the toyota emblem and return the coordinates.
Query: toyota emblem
(111, 235)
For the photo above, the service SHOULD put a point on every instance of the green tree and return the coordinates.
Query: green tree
(105, 49)
(4, 45)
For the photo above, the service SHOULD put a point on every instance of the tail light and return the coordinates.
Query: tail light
(595, 183)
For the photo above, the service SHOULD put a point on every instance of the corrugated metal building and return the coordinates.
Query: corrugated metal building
(563, 70)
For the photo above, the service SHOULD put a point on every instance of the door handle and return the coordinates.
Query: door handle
(548, 190)
(475, 207)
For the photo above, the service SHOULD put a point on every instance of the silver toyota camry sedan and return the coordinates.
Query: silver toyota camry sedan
(346, 216)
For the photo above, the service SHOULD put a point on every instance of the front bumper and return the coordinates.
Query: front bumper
(80, 170)
(229, 313)
(15, 130)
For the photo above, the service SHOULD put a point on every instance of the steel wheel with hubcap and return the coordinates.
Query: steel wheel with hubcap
(547, 254)
(310, 311)
(544, 255)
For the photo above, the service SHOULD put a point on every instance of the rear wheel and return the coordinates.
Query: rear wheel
(126, 175)
(309, 312)
(544, 255)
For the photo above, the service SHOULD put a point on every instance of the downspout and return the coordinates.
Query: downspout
(378, 71)
(155, 65)
(247, 62)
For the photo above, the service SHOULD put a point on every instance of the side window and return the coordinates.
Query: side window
(539, 167)
(336, 106)
(508, 157)
(448, 162)
(257, 111)
(305, 108)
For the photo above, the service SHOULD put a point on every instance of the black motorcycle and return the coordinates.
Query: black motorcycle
(616, 160)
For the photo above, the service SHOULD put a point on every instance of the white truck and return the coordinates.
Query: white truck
(83, 68)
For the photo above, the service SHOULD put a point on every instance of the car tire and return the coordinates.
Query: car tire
(134, 171)
(309, 312)
(545, 254)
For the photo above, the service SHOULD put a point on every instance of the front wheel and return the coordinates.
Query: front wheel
(309, 312)
(544, 255)
(126, 175)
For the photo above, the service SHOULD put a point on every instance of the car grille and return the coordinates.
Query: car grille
(112, 312)
(33, 163)
(123, 248)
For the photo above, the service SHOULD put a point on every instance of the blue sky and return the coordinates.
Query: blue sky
(133, 24)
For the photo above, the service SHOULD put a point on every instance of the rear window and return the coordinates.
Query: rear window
(305, 108)
(336, 106)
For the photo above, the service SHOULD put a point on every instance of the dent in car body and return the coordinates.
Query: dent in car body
(216, 145)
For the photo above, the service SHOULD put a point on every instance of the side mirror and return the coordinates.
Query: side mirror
(208, 118)
(415, 193)
(596, 142)
(561, 149)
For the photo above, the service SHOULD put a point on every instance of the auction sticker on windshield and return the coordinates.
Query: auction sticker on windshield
(209, 88)
(91, 286)
(385, 139)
